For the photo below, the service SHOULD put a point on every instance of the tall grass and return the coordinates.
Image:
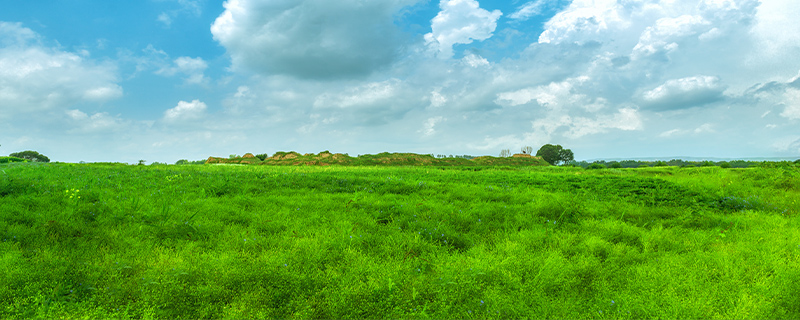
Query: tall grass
(240, 242)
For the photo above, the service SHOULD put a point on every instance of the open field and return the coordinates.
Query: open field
(331, 242)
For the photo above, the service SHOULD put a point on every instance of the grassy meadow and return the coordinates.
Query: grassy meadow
(99, 241)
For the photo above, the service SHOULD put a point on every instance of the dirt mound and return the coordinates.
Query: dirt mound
(521, 155)
(248, 155)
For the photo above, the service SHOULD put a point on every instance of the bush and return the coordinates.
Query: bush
(182, 161)
(724, 165)
(31, 156)
(615, 165)
(660, 164)
(11, 159)
(595, 166)
(262, 156)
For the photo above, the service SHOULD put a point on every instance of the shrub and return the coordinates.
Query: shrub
(262, 156)
(615, 165)
(595, 166)
(660, 164)
(11, 159)
(724, 165)
(182, 161)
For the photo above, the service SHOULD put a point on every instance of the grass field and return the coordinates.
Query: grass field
(117, 241)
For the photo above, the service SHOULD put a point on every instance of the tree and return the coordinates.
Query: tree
(566, 155)
(527, 150)
(505, 153)
(182, 161)
(31, 156)
(555, 154)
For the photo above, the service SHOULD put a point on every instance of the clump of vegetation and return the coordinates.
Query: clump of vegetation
(594, 166)
(30, 156)
(11, 159)
(555, 154)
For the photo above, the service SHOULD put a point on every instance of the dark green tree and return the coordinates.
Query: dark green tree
(31, 156)
(182, 161)
(555, 154)
(262, 156)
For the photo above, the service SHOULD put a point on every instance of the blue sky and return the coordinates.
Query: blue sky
(163, 80)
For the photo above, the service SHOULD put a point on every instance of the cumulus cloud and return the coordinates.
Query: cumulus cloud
(460, 21)
(428, 128)
(98, 122)
(34, 77)
(791, 100)
(554, 95)
(663, 37)
(584, 20)
(626, 119)
(777, 33)
(192, 68)
(369, 104)
(684, 93)
(311, 39)
(186, 111)
(474, 60)
(437, 99)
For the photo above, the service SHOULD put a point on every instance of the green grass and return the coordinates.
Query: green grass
(241, 242)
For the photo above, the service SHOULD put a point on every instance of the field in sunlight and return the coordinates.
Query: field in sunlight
(240, 242)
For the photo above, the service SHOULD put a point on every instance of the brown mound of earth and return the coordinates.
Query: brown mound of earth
(521, 155)
(248, 155)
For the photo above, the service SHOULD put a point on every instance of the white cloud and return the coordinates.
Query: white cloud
(670, 133)
(428, 128)
(474, 60)
(460, 21)
(186, 111)
(626, 119)
(555, 95)
(15, 35)
(684, 93)
(706, 127)
(191, 7)
(98, 122)
(35, 78)
(776, 29)
(528, 10)
(192, 68)
(583, 20)
(366, 95)
(165, 19)
(313, 39)
(791, 100)
(437, 99)
(663, 37)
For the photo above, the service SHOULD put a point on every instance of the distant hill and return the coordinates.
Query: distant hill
(382, 159)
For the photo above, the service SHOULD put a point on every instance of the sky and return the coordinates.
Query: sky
(164, 80)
